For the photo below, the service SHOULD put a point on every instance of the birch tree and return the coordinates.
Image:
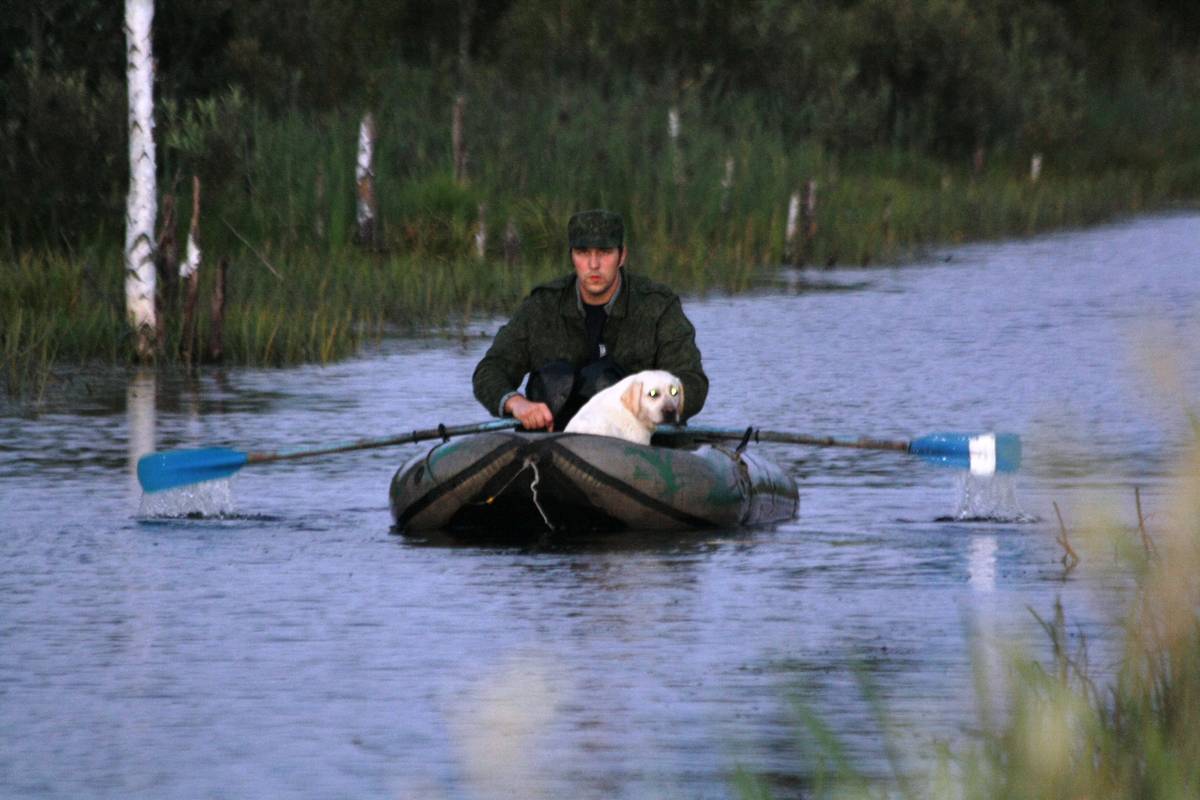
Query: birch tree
(364, 175)
(141, 205)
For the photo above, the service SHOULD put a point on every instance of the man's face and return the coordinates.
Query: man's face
(597, 268)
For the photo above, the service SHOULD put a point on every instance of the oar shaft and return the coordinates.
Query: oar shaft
(387, 441)
(782, 437)
(862, 443)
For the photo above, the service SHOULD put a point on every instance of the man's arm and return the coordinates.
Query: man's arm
(501, 370)
(677, 353)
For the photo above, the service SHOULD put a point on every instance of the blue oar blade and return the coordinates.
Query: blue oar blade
(159, 471)
(1008, 452)
(982, 454)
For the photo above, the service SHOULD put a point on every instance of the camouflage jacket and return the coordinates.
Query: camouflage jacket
(646, 329)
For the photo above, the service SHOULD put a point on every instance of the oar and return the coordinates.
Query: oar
(172, 468)
(982, 453)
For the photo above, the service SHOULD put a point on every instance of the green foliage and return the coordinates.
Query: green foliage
(206, 137)
(438, 214)
(940, 77)
(63, 155)
(946, 75)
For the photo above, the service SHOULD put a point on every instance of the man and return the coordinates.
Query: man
(588, 328)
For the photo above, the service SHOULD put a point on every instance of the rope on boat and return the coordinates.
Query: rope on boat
(529, 463)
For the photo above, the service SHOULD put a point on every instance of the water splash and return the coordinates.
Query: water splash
(199, 500)
(988, 498)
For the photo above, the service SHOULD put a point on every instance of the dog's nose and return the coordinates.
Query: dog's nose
(671, 412)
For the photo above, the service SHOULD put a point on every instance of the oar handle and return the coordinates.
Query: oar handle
(441, 431)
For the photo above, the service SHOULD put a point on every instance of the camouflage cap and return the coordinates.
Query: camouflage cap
(596, 228)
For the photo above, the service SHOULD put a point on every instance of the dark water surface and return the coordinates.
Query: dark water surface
(296, 647)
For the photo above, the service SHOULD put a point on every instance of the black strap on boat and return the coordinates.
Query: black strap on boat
(746, 440)
(442, 432)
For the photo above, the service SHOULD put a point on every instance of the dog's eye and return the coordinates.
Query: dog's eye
(674, 391)
(654, 392)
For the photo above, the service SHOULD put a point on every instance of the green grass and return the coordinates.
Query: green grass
(279, 190)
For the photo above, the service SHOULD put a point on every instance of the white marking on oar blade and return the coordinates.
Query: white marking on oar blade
(982, 450)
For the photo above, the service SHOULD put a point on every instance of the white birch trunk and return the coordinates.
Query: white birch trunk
(481, 233)
(800, 253)
(458, 139)
(793, 225)
(727, 185)
(142, 204)
(364, 174)
(191, 262)
(189, 271)
(512, 243)
(810, 211)
(673, 129)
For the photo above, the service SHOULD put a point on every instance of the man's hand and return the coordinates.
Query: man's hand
(533, 416)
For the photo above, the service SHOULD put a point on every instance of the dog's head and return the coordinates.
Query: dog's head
(654, 397)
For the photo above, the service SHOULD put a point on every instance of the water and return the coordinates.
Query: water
(289, 644)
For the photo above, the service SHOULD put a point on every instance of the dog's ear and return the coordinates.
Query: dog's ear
(679, 402)
(631, 398)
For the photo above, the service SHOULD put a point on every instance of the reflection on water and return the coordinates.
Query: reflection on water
(140, 411)
(503, 731)
(982, 563)
(287, 643)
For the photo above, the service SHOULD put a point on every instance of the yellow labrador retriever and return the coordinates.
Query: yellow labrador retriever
(632, 408)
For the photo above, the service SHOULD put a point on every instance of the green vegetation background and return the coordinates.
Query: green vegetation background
(917, 121)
